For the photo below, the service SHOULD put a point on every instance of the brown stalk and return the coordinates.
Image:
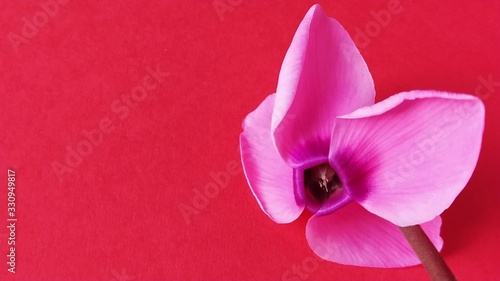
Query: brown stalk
(428, 254)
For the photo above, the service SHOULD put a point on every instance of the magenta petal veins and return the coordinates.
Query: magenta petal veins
(323, 76)
(355, 236)
(407, 158)
(270, 179)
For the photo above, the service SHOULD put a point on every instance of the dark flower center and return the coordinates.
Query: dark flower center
(321, 181)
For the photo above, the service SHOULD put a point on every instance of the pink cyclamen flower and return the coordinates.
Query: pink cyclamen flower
(363, 169)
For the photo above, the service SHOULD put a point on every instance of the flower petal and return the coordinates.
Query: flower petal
(354, 236)
(269, 178)
(406, 158)
(323, 76)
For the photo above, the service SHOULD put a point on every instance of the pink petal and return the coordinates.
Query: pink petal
(270, 179)
(354, 236)
(406, 158)
(323, 75)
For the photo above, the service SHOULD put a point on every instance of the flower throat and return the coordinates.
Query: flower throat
(321, 181)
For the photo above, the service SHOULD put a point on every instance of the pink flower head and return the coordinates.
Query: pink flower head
(363, 169)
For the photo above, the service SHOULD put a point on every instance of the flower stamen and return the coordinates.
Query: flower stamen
(321, 181)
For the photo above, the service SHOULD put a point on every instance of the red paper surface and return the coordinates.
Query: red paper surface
(115, 214)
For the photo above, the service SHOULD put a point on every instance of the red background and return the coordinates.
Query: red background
(116, 215)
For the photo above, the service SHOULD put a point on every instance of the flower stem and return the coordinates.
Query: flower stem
(428, 254)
